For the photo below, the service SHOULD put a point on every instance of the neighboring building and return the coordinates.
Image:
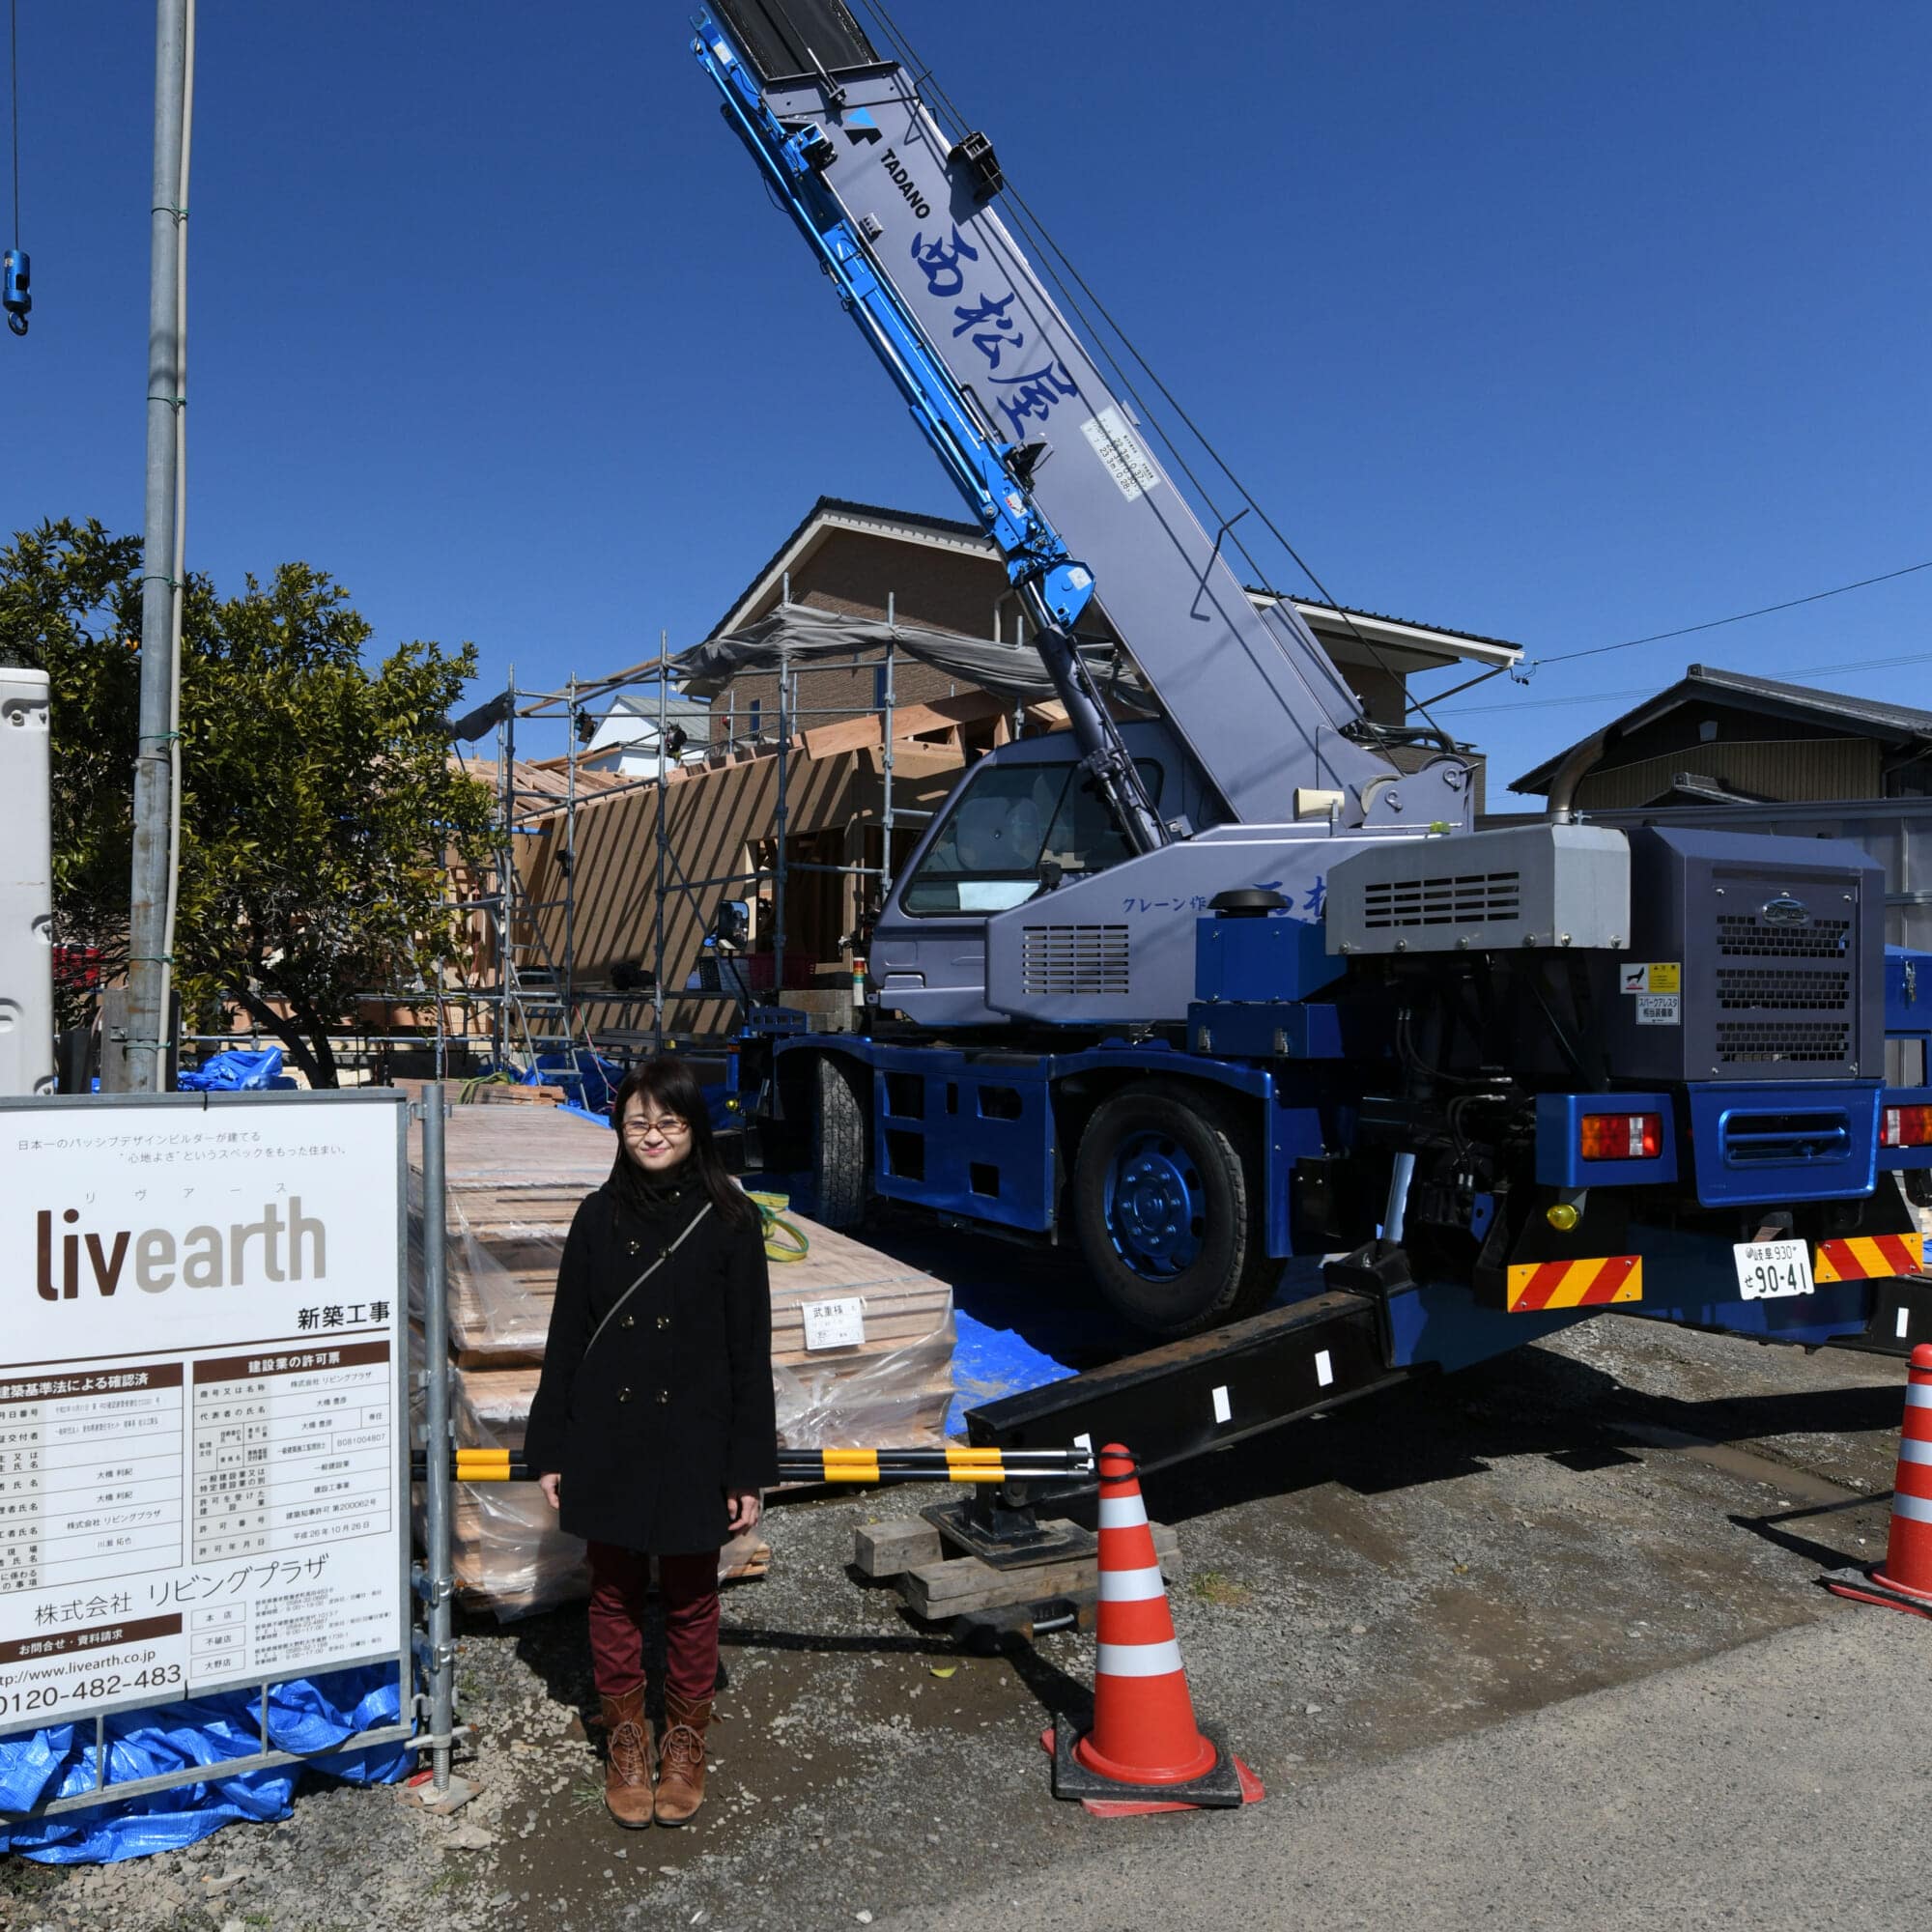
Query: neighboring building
(626, 738)
(1722, 737)
(852, 557)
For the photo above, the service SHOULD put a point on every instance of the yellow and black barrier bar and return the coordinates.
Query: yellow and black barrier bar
(955, 1464)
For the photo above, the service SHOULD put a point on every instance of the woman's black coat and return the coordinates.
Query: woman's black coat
(673, 1405)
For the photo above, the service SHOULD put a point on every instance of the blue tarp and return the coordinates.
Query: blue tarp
(234, 1071)
(587, 1077)
(989, 1363)
(307, 1715)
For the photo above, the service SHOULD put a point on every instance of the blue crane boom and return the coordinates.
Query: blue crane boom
(1050, 460)
(986, 470)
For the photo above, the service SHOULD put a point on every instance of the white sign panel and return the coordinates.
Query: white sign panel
(833, 1324)
(201, 1429)
(1117, 447)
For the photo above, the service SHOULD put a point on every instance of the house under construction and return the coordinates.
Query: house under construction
(727, 817)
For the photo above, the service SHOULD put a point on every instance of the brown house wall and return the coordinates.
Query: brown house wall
(850, 573)
(1787, 769)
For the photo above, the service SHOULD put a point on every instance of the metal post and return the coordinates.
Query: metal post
(886, 741)
(1396, 1211)
(506, 873)
(569, 973)
(779, 877)
(436, 1437)
(662, 846)
(134, 1069)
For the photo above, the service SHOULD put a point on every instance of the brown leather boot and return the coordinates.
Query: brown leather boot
(627, 1759)
(681, 1759)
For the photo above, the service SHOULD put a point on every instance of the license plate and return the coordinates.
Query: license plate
(1767, 1269)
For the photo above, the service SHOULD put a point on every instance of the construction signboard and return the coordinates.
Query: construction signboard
(203, 1422)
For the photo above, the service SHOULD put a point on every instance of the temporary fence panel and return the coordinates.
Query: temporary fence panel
(204, 1441)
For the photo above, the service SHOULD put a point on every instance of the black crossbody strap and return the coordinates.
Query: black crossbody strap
(666, 1256)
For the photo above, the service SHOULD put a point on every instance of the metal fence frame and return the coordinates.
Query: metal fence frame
(433, 1580)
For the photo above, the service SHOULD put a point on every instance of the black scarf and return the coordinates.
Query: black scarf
(648, 1196)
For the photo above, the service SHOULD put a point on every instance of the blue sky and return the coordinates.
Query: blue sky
(1559, 323)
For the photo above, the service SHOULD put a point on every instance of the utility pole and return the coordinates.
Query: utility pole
(132, 1064)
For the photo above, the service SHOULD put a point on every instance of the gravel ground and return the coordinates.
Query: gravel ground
(1418, 1566)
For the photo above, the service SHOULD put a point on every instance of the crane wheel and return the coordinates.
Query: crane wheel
(841, 1142)
(1167, 1204)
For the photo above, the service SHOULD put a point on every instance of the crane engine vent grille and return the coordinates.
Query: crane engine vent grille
(1446, 899)
(1784, 988)
(1074, 959)
(1745, 936)
(1786, 995)
(1784, 1041)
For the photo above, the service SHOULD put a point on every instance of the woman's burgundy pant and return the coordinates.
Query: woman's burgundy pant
(688, 1587)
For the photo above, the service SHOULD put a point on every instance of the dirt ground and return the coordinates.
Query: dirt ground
(1422, 1564)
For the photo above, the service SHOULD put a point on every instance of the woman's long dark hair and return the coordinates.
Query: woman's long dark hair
(671, 1086)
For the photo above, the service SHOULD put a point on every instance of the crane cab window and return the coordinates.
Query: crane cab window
(1010, 821)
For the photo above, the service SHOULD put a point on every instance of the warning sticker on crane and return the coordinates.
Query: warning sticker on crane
(1117, 447)
(1652, 976)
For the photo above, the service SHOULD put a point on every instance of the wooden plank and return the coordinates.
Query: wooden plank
(853, 734)
(964, 1583)
(885, 1548)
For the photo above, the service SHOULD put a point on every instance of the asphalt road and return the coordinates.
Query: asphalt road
(1778, 1786)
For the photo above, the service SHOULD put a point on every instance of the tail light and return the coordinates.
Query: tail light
(1630, 1136)
(1905, 1127)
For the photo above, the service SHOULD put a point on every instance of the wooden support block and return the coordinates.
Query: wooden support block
(965, 1583)
(885, 1548)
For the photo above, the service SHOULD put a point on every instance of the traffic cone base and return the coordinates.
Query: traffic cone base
(1225, 1786)
(1866, 1586)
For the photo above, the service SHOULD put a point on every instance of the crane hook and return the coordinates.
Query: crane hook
(15, 280)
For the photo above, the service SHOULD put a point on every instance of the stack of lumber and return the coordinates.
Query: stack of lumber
(513, 1180)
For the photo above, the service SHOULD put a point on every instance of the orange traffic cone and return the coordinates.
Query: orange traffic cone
(1144, 1751)
(1904, 1580)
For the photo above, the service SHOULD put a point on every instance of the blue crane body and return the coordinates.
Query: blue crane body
(1210, 991)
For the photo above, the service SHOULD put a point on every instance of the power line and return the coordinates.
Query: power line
(1646, 690)
(1717, 623)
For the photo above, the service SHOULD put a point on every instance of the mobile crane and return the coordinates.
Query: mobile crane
(1213, 989)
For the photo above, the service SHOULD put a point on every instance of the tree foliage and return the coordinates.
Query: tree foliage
(319, 804)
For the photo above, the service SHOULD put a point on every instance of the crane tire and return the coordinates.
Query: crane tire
(1167, 1206)
(839, 1142)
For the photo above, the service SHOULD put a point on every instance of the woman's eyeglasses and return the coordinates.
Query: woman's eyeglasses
(669, 1128)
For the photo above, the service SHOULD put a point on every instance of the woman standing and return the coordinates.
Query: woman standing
(653, 1428)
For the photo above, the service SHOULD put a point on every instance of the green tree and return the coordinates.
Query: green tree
(319, 804)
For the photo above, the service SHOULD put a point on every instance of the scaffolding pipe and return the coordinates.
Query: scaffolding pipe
(568, 976)
(506, 759)
(781, 821)
(885, 755)
(662, 851)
